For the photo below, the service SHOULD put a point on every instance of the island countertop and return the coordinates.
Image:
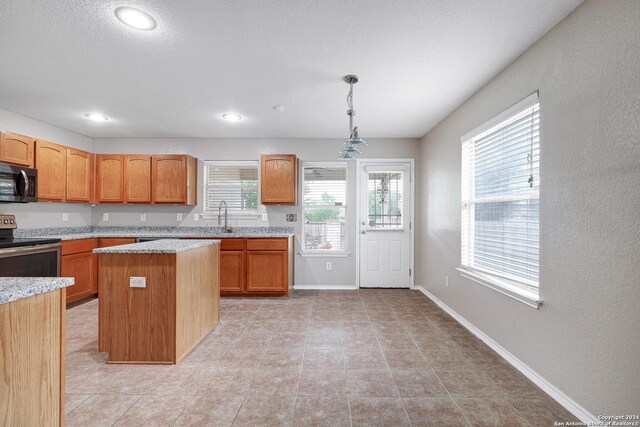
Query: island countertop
(16, 288)
(164, 246)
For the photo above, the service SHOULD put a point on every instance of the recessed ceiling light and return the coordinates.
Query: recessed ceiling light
(135, 18)
(96, 117)
(232, 117)
(278, 107)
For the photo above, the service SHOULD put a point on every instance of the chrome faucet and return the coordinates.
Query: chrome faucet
(226, 229)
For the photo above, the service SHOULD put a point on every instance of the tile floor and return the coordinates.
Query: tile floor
(328, 358)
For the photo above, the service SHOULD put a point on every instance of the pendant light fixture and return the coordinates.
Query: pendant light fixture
(350, 146)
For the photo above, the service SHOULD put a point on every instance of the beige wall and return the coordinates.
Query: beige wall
(585, 339)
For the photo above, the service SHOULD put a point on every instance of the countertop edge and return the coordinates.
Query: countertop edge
(16, 288)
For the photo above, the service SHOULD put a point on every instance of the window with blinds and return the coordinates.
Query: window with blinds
(324, 206)
(500, 189)
(234, 182)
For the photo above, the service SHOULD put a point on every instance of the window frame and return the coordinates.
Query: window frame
(324, 252)
(209, 214)
(521, 289)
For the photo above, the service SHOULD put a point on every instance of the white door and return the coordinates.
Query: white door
(385, 222)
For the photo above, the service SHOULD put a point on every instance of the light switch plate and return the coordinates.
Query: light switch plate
(137, 282)
(196, 217)
(143, 217)
(179, 217)
(105, 216)
(65, 216)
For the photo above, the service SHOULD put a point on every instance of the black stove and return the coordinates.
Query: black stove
(22, 257)
(7, 225)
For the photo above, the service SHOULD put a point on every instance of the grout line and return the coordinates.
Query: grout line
(304, 352)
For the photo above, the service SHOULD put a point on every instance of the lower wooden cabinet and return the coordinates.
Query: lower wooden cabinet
(256, 266)
(78, 261)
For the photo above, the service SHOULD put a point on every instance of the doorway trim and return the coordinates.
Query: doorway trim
(359, 208)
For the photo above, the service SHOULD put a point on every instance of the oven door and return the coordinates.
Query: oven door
(17, 184)
(30, 261)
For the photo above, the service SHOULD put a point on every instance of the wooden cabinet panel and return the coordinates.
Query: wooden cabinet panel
(138, 178)
(278, 179)
(17, 149)
(79, 176)
(232, 271)
(83, 267)
(51, 164)
(70, 247)
(104, 242)
(267, 244)
(233, 244)
(174, 179)
(110, 178)
(267, 271)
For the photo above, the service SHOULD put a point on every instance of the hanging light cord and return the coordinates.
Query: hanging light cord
(350, 112)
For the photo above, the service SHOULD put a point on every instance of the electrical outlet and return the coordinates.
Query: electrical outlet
(196, 217)
(179, 217)
(446, 281)
(65, 216)
(329, 266)
(137, 282)
(265, 217)
(143, 217)
(105, 216)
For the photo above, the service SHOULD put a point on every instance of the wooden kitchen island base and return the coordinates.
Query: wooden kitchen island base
(163, 321)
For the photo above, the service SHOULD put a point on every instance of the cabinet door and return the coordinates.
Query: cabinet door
(51, 164)
(267, 271)
(278, 179)
(231, 271)
(109, 178)
(16, 149)
(138, 179)
(83, 267)
(169, 179)
(80, 173)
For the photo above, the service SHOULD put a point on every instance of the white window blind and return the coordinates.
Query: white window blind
(500, 192)
(324, 206)
(234, 182)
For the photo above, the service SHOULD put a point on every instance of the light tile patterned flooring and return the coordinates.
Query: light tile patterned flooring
(328, 358)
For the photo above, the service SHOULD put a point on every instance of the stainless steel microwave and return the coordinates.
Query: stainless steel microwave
(18, 184)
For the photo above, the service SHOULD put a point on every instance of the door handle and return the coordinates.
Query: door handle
(363, 232)
(364, 223)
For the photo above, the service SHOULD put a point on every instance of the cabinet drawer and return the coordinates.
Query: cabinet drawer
(267, 244)
(114, 241)
(232, 244)
(78, 246)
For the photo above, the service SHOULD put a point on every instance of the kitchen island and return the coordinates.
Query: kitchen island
(157, 300)
(32, 330)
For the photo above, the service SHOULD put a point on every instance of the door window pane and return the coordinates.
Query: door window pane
(385, 199)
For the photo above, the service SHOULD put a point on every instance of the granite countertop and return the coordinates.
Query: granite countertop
(70, 233)
(16, 288)
(166, 246)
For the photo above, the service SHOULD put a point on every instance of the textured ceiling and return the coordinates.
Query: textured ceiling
(417, 60)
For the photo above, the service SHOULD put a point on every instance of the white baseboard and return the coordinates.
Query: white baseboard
(564, 400)
(325, 287)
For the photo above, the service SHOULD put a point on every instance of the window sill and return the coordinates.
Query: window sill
(324, 254)
(504, 286)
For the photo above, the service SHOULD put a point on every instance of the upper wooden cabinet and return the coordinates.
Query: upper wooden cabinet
(138, 178)
(173, 179)
(110, 178)
(278, 179)
(51, 162)
(17, 149)
(80, 173)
